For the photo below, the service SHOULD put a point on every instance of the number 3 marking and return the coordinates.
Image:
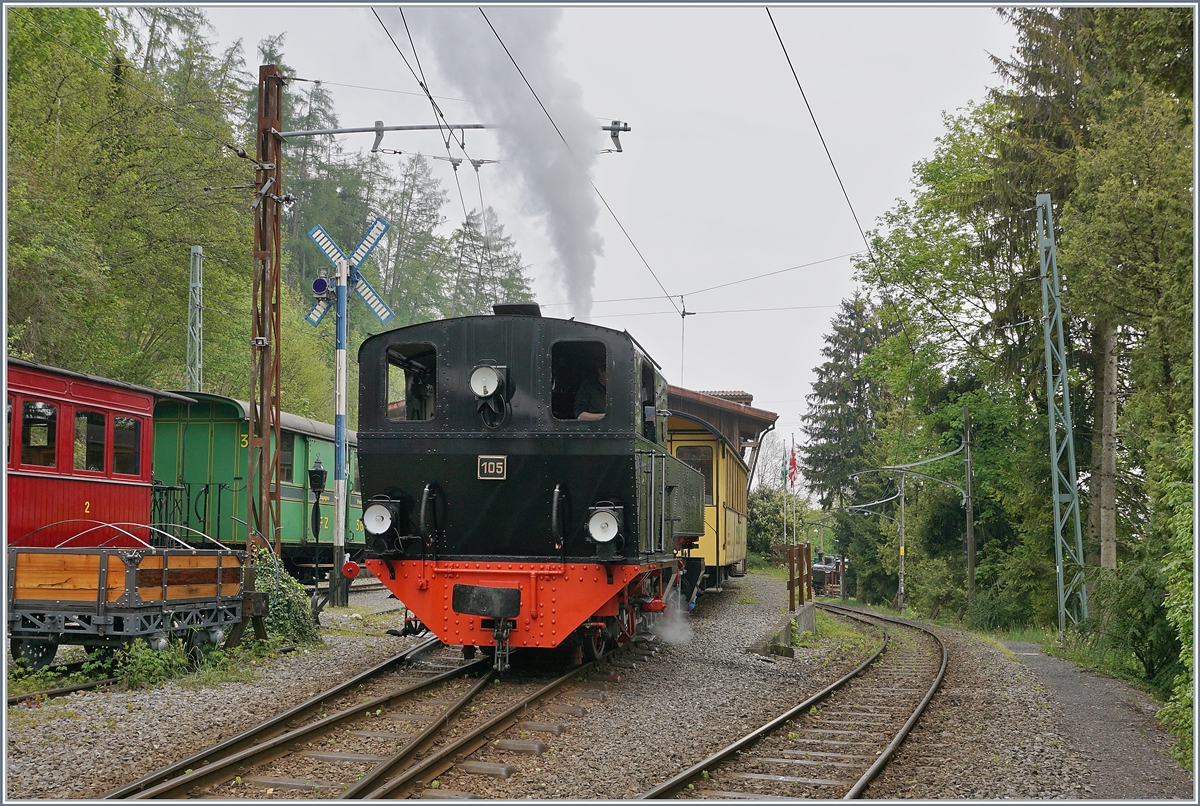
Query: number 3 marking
(245, 440)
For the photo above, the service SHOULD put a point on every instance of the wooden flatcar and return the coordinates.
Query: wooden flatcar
(85, 563)
(200, 453)
(717, 433)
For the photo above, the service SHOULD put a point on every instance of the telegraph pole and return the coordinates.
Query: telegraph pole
(262, 488)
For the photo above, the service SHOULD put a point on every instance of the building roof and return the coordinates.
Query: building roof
(738, 421)
(133, 387)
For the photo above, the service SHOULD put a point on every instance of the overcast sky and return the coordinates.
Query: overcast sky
(722, 177)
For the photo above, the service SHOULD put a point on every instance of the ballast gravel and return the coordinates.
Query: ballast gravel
(992, 731)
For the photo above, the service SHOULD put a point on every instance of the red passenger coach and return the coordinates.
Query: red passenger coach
(79, 456)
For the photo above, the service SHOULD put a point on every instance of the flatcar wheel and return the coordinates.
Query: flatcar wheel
(38, 653)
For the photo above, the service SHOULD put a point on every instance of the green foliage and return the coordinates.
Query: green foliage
(1127, 619)
(1179, 713)
(290, 619)
(137, 665)
(764, 518)
(120, 131)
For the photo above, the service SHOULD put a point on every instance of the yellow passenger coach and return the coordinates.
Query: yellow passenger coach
(719, 434)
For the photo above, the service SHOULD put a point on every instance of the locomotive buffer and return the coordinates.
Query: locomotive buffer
(346, 274)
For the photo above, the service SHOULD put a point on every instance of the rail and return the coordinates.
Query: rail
(687, 780)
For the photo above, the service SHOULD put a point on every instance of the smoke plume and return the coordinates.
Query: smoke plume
(554, 182)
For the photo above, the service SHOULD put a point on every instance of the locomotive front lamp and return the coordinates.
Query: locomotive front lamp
(604, 523)
(377, 518)
(487, 380)
(316, 477)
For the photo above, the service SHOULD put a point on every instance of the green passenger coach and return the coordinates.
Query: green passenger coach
(200, 464)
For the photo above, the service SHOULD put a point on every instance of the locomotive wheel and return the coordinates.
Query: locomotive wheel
(38, 653)
(594, 643)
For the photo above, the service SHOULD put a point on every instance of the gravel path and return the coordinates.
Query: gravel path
(1112, 727)
(1001, 727)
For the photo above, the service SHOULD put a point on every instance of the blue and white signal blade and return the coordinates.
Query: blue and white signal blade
(325, 244)
(368, 242)
(318, 311)
(378, 307)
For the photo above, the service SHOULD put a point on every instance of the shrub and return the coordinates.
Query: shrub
(290, 618)
(139, 665)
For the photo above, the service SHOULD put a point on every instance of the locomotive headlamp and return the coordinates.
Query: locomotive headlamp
(378, 518)
(604, 523)
(487, 380)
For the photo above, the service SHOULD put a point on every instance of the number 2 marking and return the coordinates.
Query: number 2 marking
(87, 507)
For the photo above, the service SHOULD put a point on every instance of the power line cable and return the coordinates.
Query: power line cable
(713, 313)
(568, 145)
(379, 89)
(462, 144)
(715, 287)
(773, 273)
(870, 253)
(437, 112)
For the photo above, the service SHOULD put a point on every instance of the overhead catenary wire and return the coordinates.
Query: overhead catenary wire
(713, 313)
(715, 287)
(870, 252)
(462, 145)
(608, 207)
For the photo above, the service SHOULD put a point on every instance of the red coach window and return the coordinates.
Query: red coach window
(90, 427)
(39, 429)
(127, 445)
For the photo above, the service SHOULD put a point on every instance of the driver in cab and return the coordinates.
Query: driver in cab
(590, 399)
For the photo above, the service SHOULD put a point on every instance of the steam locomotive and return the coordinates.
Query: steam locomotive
(517, 486)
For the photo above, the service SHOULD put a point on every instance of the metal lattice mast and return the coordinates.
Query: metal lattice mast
(195, 354)
(262, 488)
(1072, 595)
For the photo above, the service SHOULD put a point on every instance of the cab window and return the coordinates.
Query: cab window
(90, 428)
(411, 382)
(579, 382)
(699, 457)
(39, 430)
(127, 441)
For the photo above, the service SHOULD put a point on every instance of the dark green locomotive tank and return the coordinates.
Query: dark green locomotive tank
(496, 438)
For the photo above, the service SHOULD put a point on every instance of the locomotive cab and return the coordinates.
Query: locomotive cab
(516, 478)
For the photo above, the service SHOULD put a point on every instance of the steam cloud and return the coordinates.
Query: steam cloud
(555, 183)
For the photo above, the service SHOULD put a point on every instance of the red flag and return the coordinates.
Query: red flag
(793, 469)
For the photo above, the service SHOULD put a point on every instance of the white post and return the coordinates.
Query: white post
(339, 592)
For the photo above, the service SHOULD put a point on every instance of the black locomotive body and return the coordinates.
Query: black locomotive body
(516, 482)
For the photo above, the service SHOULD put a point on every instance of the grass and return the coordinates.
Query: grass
(844, 637)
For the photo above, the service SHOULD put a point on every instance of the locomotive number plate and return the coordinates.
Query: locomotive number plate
(493, 467)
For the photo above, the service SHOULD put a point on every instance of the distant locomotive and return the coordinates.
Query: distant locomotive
(516, 479)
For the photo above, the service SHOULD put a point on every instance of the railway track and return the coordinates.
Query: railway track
(63, 691)
(834, 743)
(191, 774)
(388, 746)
